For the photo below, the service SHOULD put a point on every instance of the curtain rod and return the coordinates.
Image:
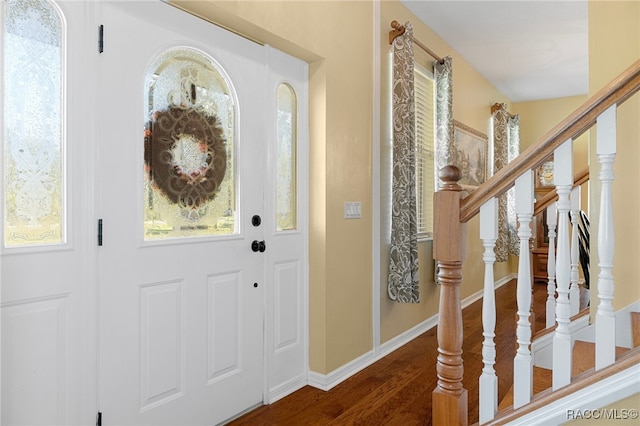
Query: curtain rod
(498, 105)
(399, 29)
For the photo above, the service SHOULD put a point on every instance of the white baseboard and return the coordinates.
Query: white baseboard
(337, 376)
(328, 381)
(285, 389)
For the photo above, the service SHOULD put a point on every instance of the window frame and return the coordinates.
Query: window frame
(293, 163)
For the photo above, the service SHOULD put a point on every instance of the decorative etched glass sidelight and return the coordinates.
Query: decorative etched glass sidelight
(189, 182)
(33, 129)
(286, 200)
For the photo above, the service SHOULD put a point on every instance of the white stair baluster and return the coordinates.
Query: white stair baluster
(488, 380)
(605, 316)
(552, 221)
(523, 362)
(562, 347)
(574, 290)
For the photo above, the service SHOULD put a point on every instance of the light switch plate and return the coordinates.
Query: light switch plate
(352, 210)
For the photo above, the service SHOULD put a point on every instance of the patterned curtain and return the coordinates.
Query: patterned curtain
(506, 146)
(443, 73)
(403, 257)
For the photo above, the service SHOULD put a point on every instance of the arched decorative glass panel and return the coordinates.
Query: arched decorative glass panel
(33, 124)
(286, 191)
(189, 183)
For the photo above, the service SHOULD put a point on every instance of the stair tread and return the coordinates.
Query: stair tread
(542, 380)
(584, 356)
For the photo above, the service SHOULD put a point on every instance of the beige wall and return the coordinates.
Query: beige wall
(472, 99)
(614, 44)
(538, 117)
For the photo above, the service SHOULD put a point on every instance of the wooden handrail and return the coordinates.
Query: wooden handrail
(551, 196)
(615, 93)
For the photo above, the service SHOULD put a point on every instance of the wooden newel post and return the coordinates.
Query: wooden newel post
(449, 401)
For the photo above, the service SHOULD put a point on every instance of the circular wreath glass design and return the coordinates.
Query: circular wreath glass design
(194, 178)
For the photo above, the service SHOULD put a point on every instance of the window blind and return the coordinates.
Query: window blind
(424, 100)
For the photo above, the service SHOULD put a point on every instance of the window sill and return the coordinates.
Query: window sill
(424, 238)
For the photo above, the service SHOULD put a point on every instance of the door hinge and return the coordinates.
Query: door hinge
(99, 419)
(99, 232)
(101, 38)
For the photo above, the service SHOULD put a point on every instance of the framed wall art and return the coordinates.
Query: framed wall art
(544, 175)
(470, 153)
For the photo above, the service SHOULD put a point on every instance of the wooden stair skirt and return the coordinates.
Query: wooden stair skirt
(584, 359)
(635, 328)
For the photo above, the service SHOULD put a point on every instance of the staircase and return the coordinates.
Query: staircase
(583, 365)
(567, 366)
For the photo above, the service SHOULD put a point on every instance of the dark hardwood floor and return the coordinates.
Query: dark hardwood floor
(396, 390)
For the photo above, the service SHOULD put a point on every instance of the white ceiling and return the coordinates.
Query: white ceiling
(529, 50)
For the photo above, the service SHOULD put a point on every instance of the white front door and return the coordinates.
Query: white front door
(184, 143)
(188, 324)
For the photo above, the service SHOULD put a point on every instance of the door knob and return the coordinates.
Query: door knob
(258, 246)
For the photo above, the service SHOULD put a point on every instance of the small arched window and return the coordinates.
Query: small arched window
(33, 38)
(286, 180)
